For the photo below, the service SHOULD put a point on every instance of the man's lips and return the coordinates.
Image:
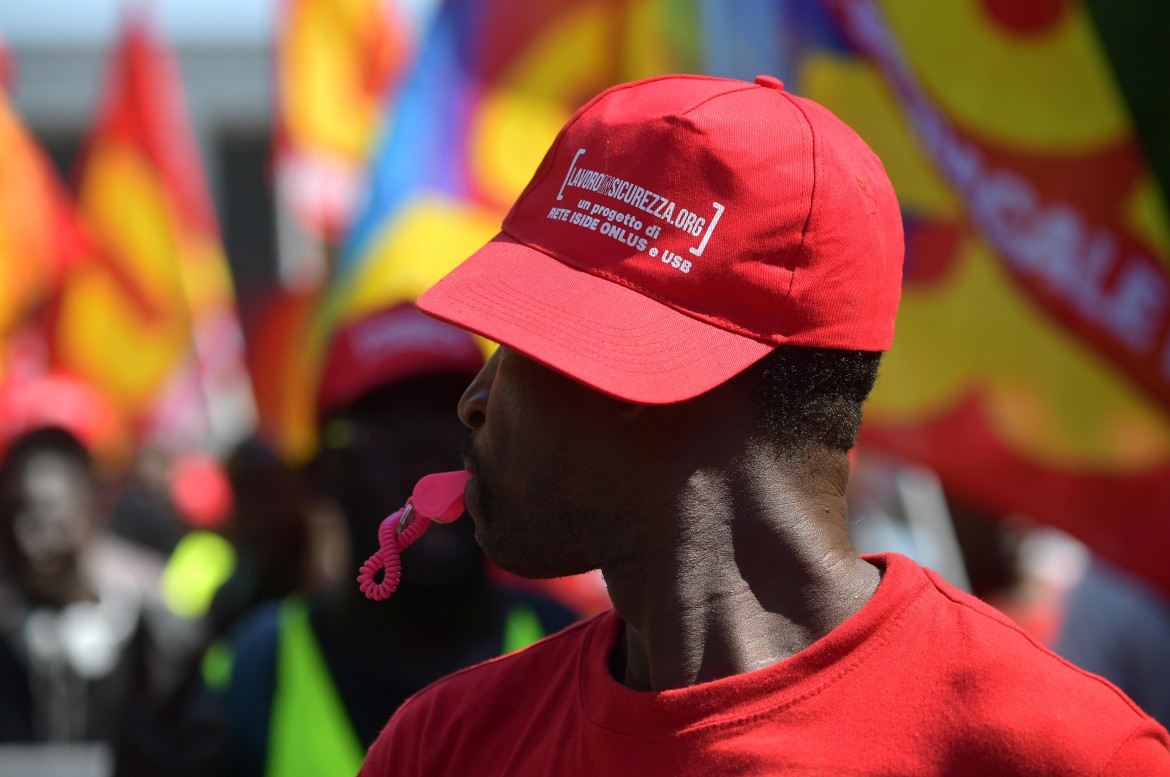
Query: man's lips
(471, 498)
(471, 490)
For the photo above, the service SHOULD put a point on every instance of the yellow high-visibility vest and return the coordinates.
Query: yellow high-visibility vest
(305, 692)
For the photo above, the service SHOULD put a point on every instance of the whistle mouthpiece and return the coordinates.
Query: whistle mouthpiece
(437, 497)
(440, 496)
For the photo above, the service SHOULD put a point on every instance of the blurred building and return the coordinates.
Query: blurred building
(61, 52)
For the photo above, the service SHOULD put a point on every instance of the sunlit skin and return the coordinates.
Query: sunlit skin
(721, 555)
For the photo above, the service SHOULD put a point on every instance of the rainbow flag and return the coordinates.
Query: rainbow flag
(492, 83)
(337, 62)
(150, 318)
(1031, 367)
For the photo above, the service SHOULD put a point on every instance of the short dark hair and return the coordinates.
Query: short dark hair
(48, 437)
(810, 397)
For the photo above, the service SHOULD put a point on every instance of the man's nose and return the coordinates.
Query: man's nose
(473, 403)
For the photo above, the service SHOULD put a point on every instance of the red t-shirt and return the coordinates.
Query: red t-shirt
(924, 679)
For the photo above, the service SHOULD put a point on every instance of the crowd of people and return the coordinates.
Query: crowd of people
(685, 431)
(281, 665)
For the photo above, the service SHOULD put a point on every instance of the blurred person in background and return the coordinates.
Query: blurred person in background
(1017, 566)
(144, 512)
(1117, 626)
(87, 648)
(307, 683)
(1021, 568)
(204, 557)
(270, 528)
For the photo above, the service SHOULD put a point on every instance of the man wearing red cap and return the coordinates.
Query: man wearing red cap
(692, 296)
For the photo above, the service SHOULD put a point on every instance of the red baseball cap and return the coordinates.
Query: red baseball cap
(678, 230)
(57, 400)
(388, 346)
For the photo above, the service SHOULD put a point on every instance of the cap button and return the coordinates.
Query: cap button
(772, 82)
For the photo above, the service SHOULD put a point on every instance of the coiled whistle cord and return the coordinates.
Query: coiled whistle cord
(437, 497)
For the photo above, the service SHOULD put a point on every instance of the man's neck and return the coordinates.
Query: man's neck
(749, 569)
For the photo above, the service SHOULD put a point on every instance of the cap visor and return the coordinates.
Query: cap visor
(594, 330)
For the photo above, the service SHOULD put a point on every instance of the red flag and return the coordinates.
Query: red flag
(152, 320)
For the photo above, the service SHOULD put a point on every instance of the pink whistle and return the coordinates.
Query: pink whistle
(440, 496)
(437, 497)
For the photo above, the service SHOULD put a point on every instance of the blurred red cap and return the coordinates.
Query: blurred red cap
(200, 491)
(388, 346)
(60, 401)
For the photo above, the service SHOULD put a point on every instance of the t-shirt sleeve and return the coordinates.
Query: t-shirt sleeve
(1146, 753)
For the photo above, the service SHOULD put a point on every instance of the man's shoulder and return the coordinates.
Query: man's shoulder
(1000, 659)
(975, 687)
(484, 705)
(543, 660)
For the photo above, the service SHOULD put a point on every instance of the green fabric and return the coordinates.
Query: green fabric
(522, 629)
(199, 565)
(310, 733)
(217, 666)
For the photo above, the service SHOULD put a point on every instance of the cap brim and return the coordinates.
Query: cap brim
(596, 331)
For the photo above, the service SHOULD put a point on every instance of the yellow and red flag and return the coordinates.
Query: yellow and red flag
(39, 234)
(29, 255)
(336, 63)
(150, 318)
(1031, 367)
